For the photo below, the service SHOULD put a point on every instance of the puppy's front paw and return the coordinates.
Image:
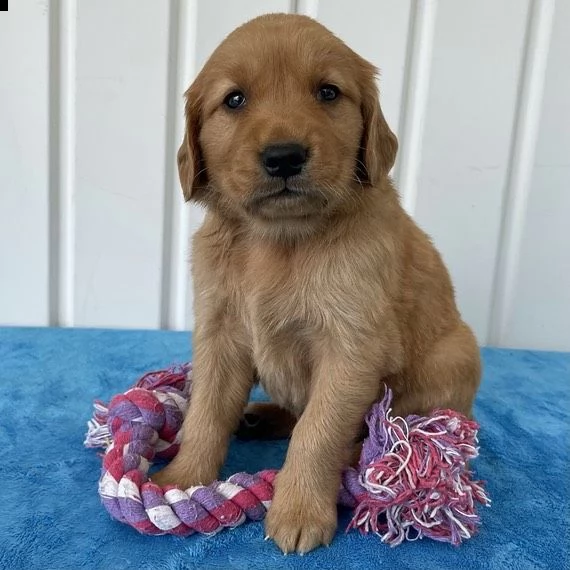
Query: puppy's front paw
(297, 525)
(183, 474)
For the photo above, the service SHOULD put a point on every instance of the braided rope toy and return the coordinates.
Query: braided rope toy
(412, 481)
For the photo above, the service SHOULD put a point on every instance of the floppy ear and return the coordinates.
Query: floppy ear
(379, 144)
(191, 168)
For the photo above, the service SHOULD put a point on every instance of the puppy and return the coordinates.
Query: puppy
(308, 273)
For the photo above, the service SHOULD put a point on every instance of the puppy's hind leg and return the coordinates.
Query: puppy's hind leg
(447, 377)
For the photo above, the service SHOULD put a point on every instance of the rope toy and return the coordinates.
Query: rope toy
(412, 481)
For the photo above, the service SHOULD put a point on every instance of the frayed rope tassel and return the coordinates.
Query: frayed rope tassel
(413, 479)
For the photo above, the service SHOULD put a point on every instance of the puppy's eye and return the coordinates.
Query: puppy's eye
(235, 100)
(328, 92)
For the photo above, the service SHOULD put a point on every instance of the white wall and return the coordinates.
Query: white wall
(93, 230)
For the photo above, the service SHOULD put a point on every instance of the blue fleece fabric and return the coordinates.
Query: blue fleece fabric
(51, 518)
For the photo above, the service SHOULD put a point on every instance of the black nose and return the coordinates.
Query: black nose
(284, 160)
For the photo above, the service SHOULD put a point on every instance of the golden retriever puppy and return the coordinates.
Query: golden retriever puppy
(308, 273)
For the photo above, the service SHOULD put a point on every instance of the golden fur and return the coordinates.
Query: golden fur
(325, 296)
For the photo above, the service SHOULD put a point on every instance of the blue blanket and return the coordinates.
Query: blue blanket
(51, 517)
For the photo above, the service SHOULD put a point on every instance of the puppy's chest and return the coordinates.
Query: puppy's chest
(280, 310)
(279, 298)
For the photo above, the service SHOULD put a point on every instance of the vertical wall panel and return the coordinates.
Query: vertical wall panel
(539, 310)
(215, 20)
(414, 99)
(63, 35)
(24, 163)
(178, 218)
(122, 54)
(477, 54)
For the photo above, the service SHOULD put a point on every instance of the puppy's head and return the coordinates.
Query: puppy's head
(283, 126)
